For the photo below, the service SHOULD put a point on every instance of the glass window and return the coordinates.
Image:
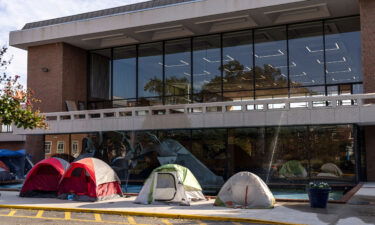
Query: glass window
(271, 93)
(47, 147)
(178, 68)
(271, 67)
(206, 65)
(238, 61)
(209, 147)
(343, 50)
(246, 147)
(306, 58)
(332, 152)
(150, 69)
(74, 147)
(307, 91)
(60, 147)
(100, 75)
(124, 72)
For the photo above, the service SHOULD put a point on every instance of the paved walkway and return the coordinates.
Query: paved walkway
(297, 213)
(41, 217)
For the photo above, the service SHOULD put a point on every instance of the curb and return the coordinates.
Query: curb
(148, 214)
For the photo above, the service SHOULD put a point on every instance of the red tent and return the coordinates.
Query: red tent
(43, 179)
(90, 179)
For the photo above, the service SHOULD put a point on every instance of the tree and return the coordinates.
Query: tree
(16, 102)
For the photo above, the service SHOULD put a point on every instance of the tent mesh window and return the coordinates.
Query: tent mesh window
(165, 187)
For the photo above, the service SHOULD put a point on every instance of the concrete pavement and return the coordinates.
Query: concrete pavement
(285, 212)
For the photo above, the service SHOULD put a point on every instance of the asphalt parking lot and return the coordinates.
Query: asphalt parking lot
(34, 217)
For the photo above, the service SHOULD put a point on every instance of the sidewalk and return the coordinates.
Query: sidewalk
(295, 213)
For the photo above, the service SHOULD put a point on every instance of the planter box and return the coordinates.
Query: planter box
(318, 197)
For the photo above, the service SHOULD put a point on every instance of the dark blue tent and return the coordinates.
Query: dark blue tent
(15, 160)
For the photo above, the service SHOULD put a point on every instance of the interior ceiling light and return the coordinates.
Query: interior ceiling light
(292, 64)
(299, 75)
(217, 61)
(330, 62)
(280, 53)
(335, 48)
(341, 71)
(183, 63)
(205, 72)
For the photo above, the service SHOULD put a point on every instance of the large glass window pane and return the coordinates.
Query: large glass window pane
(332, 153)
(209, 148)
(247, 151)
(178, 68)
(150, 69)
(206, 64)
(287, 155)
(343, 50)
(238, 61)
(100, 75)
(124, 72)
(307, 91)
(271, 67)
(306, 57)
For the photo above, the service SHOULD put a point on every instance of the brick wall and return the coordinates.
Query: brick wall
(65, 80)
(12, 145)
(367, 12)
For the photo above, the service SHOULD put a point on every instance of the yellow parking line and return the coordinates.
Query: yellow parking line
(12, 212)
(131, 220)
(98, 218)
(68, 216)
(165, 221)
(76, 220)
(201, 223)
(39, 214)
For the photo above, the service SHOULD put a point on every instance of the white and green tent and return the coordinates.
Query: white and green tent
(170, 183)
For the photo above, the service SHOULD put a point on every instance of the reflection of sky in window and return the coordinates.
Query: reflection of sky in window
(273, 54)
(308, 59)
(124, 78)
(238, 47)
(149, 68)
(207, 63)
(177, 65)
(343, 58)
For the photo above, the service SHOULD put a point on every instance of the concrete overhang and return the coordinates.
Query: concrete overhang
(180, 20)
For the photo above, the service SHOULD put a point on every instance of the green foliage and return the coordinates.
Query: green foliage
(16, 103)
(318, 185)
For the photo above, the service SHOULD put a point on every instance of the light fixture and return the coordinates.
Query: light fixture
(341, 71)
(330, 62)
(280, 53)
(217, 61)
(183, 63)
(336, 47)
(45, 69)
